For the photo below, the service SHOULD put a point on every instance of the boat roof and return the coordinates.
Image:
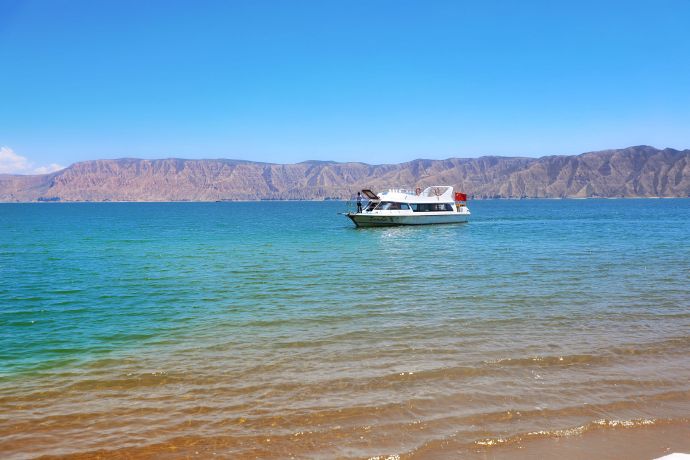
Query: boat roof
(369, 194)
(432, 194)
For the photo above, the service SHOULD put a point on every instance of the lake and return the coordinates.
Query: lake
(278, 330)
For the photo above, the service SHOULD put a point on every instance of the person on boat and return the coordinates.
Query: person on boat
(359, 203)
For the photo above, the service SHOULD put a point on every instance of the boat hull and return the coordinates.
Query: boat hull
(377, 220)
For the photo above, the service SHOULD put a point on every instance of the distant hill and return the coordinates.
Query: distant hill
(640, 171)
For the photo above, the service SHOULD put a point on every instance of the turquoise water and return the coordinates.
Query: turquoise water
(267, 319)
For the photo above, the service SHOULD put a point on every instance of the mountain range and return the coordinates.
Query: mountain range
(640, 171)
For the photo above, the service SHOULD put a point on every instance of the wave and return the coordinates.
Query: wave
(600, 424)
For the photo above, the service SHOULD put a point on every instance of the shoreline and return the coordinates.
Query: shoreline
(634, 443)
(347, 200)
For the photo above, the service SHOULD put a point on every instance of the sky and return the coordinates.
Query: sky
(374, 81)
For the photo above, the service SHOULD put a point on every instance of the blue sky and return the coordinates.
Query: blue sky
(373, 81)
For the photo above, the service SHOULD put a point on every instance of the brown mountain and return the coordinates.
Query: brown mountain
(632, 172)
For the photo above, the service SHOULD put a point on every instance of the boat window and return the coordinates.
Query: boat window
(371, 206)
(404, 206)
(390, 206)
(431, 207)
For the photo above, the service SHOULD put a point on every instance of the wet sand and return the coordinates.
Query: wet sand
(642, 442)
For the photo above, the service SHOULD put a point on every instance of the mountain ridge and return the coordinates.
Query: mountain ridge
(639, 171)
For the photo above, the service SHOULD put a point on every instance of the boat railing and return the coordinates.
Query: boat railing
(351, 204)
(429, 192)
(407, 191)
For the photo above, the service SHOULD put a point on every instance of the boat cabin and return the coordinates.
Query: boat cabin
(431, 199)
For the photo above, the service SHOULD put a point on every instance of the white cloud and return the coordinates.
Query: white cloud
(11, 163)
(48, 169)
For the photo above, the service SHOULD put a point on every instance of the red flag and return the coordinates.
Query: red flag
(460, 196)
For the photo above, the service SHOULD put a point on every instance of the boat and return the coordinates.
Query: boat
(434, 205)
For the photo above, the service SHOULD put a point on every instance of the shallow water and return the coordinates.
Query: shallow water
(276, 329)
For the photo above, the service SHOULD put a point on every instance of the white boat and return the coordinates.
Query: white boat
(433, 205)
